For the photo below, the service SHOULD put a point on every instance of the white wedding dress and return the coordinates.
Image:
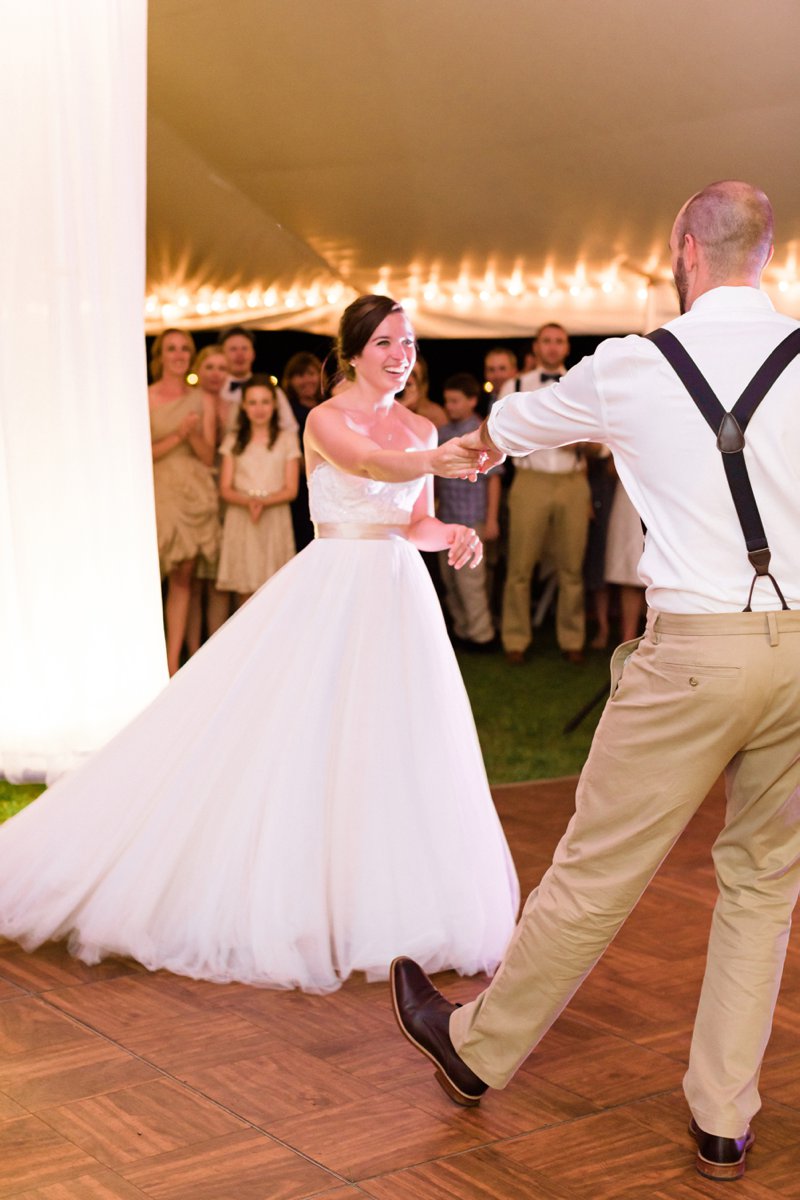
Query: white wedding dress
(305, 799)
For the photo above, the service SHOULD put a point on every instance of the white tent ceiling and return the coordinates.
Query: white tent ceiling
(496, 164)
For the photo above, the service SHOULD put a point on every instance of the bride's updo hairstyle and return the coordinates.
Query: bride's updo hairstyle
(359, 321)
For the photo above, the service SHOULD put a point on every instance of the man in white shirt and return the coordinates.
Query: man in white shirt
(499, 365)
(239, 347)
(548, 509)
(709, 689)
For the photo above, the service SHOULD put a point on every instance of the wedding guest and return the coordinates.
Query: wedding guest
(239, 347)
(211, 368)
(258, 480)
(209, 608)
(602, 481)
(499, 367)
(302, 383)
(548, 506)
(624, 548)
(475, 504)
(183, 425)
(415, 395)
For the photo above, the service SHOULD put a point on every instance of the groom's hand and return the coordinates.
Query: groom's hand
(490, 456)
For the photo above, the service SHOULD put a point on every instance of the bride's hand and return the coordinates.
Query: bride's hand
(454, 460)
(464, 545)
(490, 456)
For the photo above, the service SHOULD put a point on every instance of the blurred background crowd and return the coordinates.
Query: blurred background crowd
(562, 540)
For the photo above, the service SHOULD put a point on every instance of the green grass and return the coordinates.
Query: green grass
(520, 713)
(14, 796)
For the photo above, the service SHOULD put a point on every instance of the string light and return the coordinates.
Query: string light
(515, 286)
(612, 286)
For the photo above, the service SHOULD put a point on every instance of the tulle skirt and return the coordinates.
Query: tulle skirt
(305, 799)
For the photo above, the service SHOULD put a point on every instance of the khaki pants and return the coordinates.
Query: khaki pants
(700, 695)
(552, 509)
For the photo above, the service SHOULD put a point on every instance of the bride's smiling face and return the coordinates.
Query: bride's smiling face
(389, 355)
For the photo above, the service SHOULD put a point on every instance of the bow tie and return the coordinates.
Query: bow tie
(236, 385)
(543, 376)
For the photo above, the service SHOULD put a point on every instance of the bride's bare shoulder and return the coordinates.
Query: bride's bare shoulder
(334, 407)
(322, 415)
(420, 427)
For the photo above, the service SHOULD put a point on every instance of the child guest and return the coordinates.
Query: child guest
(258, 480)
(474, 504)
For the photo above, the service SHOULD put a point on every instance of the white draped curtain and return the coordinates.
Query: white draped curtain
(81, 641)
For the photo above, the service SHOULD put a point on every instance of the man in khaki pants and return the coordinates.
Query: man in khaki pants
(709, 689)
(548, 512)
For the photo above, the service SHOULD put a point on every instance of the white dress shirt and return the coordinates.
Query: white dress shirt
(628, 396)
(551, 462)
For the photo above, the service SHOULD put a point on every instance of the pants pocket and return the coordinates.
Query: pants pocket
(618, 661)
(698, 677)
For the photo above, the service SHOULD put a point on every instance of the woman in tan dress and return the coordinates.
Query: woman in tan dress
(187, 511)
(210, 608)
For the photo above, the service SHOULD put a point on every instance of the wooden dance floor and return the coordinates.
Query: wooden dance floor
(120, 1085)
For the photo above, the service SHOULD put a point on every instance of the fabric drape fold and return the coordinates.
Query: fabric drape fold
(81, 640)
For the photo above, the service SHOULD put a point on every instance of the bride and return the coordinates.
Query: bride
(307, 796)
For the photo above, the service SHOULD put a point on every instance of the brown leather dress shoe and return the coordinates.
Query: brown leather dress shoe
(423, 1015)
(720, 1157)
(515, 658)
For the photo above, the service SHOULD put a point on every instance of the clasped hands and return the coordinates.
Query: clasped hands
(467, 457)
(188, 425)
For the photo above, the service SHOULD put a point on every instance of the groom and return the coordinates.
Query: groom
(714, 685)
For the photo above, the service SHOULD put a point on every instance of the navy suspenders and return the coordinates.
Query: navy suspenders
(729, 428)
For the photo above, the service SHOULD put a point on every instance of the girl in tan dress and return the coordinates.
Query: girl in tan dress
(258, 480)
(187, 508)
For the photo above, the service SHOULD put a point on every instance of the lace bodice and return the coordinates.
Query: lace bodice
(335, 496)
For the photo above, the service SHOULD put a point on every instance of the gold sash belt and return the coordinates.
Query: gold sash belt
(355, 530)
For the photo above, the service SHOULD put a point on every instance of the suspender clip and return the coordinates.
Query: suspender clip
(730, 439)
(759, 560)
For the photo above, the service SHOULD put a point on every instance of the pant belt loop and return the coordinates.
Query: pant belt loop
(656, 634)
(772, 626)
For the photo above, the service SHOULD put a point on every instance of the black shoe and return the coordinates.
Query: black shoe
(471, 647)
(720, 1157)
(423, 1015)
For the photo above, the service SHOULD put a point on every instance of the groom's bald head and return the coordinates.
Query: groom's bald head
(732, 222)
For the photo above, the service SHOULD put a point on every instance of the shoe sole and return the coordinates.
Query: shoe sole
(723, 1172)
(450, 1089)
